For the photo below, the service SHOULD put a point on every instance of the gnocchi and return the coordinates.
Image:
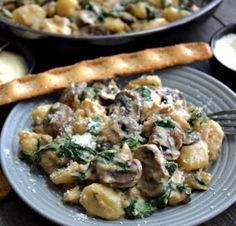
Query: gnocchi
(92, 17)
(102, 201)
(123, 152)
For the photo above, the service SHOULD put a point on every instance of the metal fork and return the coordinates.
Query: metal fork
(227, 120)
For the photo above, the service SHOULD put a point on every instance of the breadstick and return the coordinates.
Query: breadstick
(103, 68)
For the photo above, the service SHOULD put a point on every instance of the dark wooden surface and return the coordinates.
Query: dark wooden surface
(13, 211)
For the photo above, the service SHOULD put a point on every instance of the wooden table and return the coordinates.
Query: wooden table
(14, 212)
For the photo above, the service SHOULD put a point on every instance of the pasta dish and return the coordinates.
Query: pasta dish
(123, 152)
(94, 17)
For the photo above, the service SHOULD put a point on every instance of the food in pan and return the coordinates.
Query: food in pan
(103, 68)
(95, 17)
(123, 152)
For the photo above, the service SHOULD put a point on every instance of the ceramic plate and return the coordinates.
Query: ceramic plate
(199, 89)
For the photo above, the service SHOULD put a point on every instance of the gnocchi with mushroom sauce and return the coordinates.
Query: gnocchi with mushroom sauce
(94, 17)
(123, 152)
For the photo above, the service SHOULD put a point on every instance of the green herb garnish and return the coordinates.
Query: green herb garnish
(165, 3)
(132, 143)
(138, 208)
(197, 115)
(199, 179)
(106, 156)
(162, 201)
(68, 148)
(64, 147)
(145, 93)
(165, 122)
(97, 89)
(186, 189)
(171, 167)
(123, 165)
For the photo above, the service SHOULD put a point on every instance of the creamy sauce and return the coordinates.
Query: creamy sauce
(12, 66)
(225, 50)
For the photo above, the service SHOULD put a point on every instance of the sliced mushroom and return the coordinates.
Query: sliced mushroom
(155, 176)
(170, 98)
(126, 127)
(170, 140)
(59, 121)
(71, 96)
(125, 153)
(125, 115)
(87, 17)
(191, 138)
(108, 93)
(127, 17)
(175, 94)
(120, 173)
(106, 99)
(96, 29)
(127, 104)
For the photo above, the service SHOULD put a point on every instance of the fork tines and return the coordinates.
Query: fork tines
(227, 120)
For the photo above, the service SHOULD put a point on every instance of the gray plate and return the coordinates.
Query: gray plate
(199, 89)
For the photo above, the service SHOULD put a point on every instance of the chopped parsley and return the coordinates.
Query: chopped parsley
(165, 3)
(106, 156)
(139, 208)
(145, 93)
(186, 189)
(165, 122)
(162, 201)
(198, 114)
(97, 89)
(132, 143)
(171, 167)
(64, 147)
(199, 179)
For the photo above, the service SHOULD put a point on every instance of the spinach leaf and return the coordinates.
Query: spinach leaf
(171, 167)
(162, 201)
(106, 156)
(139, 208)
(97, 89)
(165, 3)
(145, 93)
(94, 125)
(152, 11)
(186, 189)
(183, 5)
(68, 148)
(64, 147)
(86, 4)
(132, 143)
(165, 122)
(199, 179)
(123, 165)
(198, 114)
